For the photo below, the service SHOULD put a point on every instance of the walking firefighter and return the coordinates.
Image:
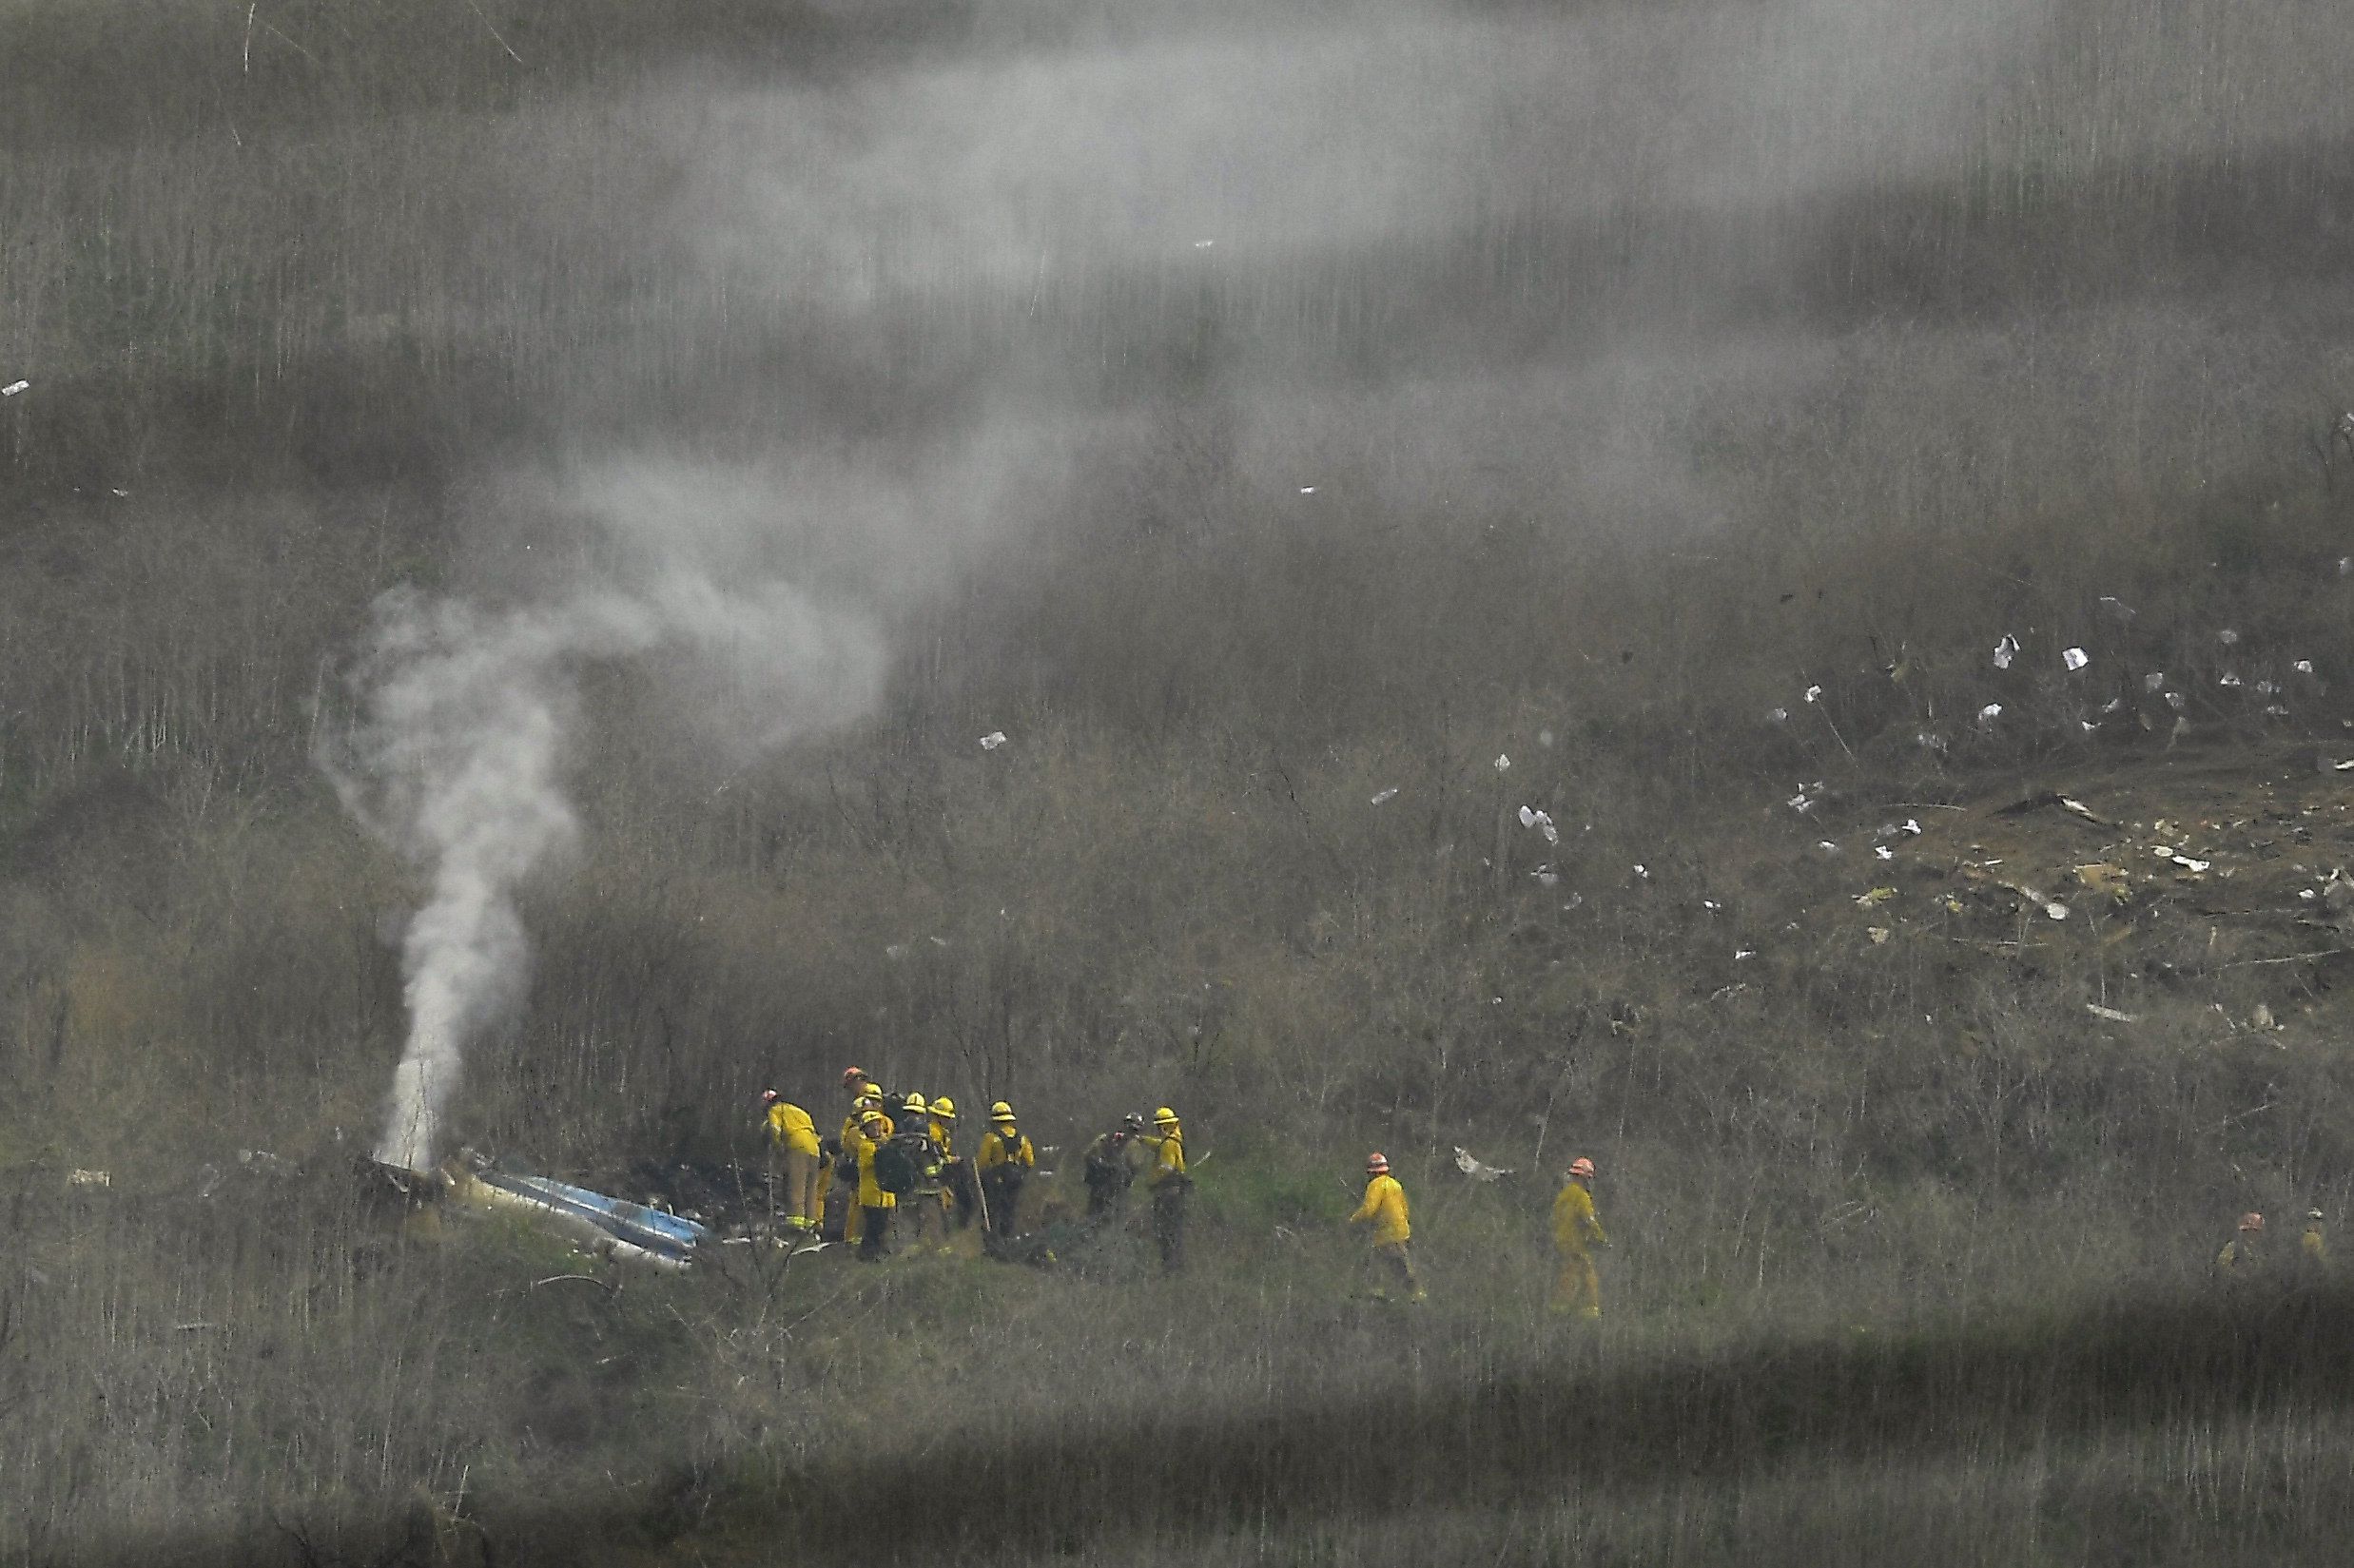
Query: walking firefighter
(1384, 1214)
(1577, 1230)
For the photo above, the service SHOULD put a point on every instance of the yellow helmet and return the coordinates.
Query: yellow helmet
(1000, 1112)
(865, 1103)
(1164, 1117)
(914, 1106)
(871, 1117)
(944, 1108)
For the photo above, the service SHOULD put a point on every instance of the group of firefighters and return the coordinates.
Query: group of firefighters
(895, 1163)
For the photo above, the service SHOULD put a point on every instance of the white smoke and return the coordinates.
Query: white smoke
(458, 755)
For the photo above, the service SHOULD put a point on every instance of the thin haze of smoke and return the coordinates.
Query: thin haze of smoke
(458, 757)
(1023, 168)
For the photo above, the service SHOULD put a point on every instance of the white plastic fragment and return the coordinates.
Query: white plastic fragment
(1800, 803)
(895, 952)
(1712, 905)
(2112, 705)
(13, 388)
(2154, 682)
(2227, 636)
(1545, 739)
(993, 740)
(1990, 713)
(1527, 818)
(1884, 852)
(1778, 715)
(1307, 489)
(2174, 701)
(1502, 762)
(1388, 795)
(1546, 877)
(1813, 693)
(1826, 846)
(2056, 910)
(2075, 658)
(2227, 679)
(1643, 873)
(88, 1178)
(1928, 741)
(2110, 1012)
(2006, 651)
(2302, 667)
(1741, 952)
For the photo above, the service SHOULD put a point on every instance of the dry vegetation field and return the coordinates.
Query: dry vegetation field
(1267, 422)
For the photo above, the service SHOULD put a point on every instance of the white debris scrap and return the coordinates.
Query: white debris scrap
(1387, 795)
(2154, 682)
(2075, 658)
(1476, 1169)
(2302, 667)
(993, 740)
(2110, 1012)
(2006, 651)
(1778, 715)
(1813, 693)
(2227, 636)
(1988, 714)
(13, 388)
(1502, 762)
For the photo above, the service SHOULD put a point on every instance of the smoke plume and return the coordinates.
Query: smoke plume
(460, 751)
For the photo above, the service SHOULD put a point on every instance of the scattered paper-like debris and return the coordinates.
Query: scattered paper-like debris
(2006, 651)
(1478, 1170)
(2112, 705)
(1712, 906)
(1778, 715)
(896, 951)
(1826, 846)
(1545, 739)
(2302, 667)
(1813, 693)
(1385, 796)
(1643, 872)
(1741, 952)
(2110, 1012)
(993, 740)
(1884, 852)
(2227, 678)
(1988, 714)
(1928, 741)
(2227, 636)
(89, 1178)
(2075, 658)
(2154, 682)
(1546, 877)
(2174, 701)
(1880, 934)
(1307, 489)
(13, 388)
(1800, 803)
(1877, 895)
(1502, 762)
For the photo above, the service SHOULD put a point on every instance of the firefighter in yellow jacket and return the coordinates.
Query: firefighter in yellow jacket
(853, 1218)
(792, 1154)
(1169, 1184)
(1384, 1210)
(1577, 1230)
(1004, 1165)
(874, 1203)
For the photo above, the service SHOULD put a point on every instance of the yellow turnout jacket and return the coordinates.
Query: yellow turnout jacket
(1575, 1224)
(1385, 1210)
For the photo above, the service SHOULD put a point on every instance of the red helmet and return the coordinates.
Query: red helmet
(1581, 1168)
(851, 1075)
(769, 1096)
(1377, 1165)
